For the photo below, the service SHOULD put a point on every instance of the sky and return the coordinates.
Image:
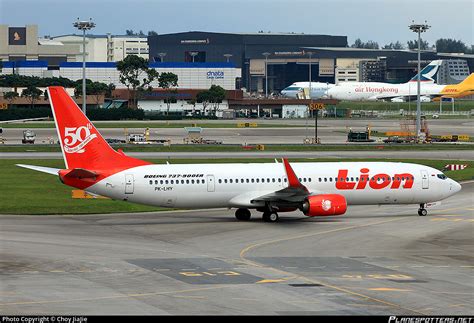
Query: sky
(383, 21)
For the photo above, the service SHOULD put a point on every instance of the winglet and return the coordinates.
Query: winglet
(293, 180)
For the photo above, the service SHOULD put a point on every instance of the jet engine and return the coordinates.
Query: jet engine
(324, 204)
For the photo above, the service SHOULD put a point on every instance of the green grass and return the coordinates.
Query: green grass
(391, 106)
(238, 148)
(25, 191)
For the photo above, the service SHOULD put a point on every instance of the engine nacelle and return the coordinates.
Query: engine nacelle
(324, 205)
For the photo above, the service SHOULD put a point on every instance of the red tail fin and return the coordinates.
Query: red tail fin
(81, 143)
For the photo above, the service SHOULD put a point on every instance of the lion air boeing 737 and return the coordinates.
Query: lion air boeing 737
(317, 189)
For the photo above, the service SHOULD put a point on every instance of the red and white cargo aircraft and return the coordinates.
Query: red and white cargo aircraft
(317, 189)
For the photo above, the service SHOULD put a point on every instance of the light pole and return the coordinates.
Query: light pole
(310, 87)
(84, 25)
(228, 56)
(418, 28)
(162, 57)
(193, 54)
(266, 54)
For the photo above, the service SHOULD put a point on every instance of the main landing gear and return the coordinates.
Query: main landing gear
(422, 211)
(269, 215)
(242, 214)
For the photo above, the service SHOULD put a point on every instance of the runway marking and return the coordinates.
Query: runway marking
(387, 289)
(137, 295)
(269, 281)
(457, 305)
(247, 249)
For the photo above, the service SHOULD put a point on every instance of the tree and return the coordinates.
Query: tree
(396, 45)
(136, 76)
(168, 81)
(152, 33)
(203, 97)
(10, 97)
(110, 89)
(216, 94)
(358, 43)
(413, 44)
(448, 45)
(32, 93)
(94, 89)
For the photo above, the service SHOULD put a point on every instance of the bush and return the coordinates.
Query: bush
(25, 113)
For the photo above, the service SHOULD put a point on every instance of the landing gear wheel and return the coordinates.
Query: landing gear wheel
(422, 212)
(242, 214)
(270, 217)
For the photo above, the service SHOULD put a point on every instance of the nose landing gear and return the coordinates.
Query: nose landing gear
(422, 211)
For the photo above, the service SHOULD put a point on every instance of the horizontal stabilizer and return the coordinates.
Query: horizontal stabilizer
(79, 173)
(47, 170)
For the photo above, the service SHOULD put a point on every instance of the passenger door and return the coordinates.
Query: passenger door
(424, 180)
(211, 185)
(129, 183)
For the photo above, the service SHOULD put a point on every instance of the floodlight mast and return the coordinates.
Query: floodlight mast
(84, 25)
(418, 28)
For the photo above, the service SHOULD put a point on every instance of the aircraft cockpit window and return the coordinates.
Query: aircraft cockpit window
(442, 176)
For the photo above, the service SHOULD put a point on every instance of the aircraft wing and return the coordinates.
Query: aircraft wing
(294, 194)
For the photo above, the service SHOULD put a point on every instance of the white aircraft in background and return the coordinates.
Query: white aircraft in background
(317, 189)
(377, 91)
(318, 89)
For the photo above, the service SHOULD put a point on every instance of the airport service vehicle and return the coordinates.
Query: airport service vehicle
(29, 137)
(318, 89)
(377, 91)
(317, 189)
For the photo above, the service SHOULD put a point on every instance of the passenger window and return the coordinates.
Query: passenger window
(253, 180)
(319, 179)
(151, 182)
(230, 181)
(247, 180)
(325, 179)
(187, 181)
(182, 181)
(273, 180)
(258, 180)
(172, 182)
(192, 181)
(220, 181)
(166, 182)
(330, 179)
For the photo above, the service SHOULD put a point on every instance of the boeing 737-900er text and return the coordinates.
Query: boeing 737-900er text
(317, 189)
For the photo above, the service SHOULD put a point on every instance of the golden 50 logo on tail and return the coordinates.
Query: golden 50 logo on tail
(76, 138)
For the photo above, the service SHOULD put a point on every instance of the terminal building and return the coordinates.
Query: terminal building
(281, 59)
(254, 53)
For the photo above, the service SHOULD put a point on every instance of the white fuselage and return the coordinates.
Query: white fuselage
(235, 185)
(318, 89)
(371, 91)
